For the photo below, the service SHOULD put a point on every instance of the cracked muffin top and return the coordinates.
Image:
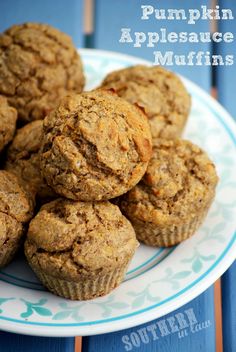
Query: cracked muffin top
(8, 117)
(14, 201)
(180, 181)
(23, 159)
(159, 92)
(67, 238)
(96, 146)
(38, 65)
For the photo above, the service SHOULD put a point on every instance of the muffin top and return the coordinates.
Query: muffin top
(13, 199)
(96, 146)
(69, 238)
(38, 65)
(159, 92)
(8, 117)
(180, 181)
(23, 159)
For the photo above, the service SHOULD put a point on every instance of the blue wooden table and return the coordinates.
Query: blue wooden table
(216, 307)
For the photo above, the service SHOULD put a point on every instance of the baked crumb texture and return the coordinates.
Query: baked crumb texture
(159, 92)
(8, 117)
(80, 250)
(96, 146)
(174, 196)
(23, 160)
(38, 66)
(16, 209)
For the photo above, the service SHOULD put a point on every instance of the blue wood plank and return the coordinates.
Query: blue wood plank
(64, 15)
(229, 309)
(201, 311)
(111, 16)
(19, 343)
(226, 75)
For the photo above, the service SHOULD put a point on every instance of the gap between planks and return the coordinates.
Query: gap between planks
(218, 316)
(78, 344)
(218, 294)
(89, 7)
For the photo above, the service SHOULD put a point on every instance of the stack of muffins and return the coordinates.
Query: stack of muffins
(81, 167)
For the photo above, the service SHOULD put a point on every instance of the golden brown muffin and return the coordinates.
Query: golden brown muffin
(38, 66)
(80, 250)
(171, 201)
(16, 209)
(159, 92)
(8, 117)
(96, 146)
(23, 160)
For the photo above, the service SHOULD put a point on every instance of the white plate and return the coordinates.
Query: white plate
(158, 280)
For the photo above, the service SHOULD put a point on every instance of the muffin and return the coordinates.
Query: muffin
(16, 209)
(38, 66)
(8, 117)
(80, 250)
(23, 160)
(173, 198)
(159, 92)
(96, 146)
